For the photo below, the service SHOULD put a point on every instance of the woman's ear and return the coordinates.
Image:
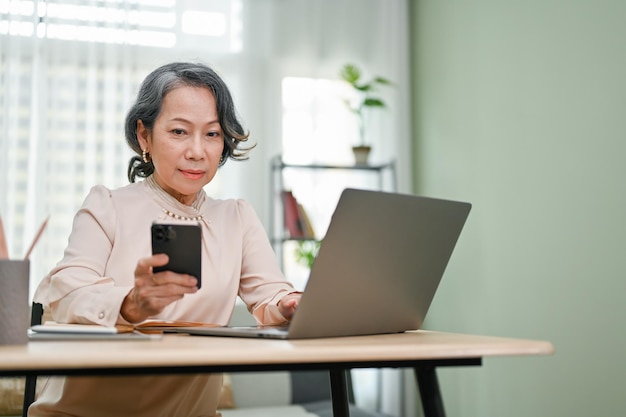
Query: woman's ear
(143, 135)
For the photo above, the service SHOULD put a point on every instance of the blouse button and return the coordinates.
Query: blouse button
(101, 315)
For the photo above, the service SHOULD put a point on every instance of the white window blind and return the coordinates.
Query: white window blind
(69, 71)
(157, 23)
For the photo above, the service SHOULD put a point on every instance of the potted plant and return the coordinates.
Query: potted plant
(306, 252)
(364, 100)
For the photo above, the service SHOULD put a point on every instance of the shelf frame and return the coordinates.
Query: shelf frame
(277, 166)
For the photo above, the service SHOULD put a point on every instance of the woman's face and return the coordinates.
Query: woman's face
(186, 142)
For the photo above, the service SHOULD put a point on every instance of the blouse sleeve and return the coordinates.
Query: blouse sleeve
(76, 290)
(262, 283)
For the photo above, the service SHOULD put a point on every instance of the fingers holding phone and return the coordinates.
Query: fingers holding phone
(145, 275)
(172, 278)
(155, 291)
(172, 271)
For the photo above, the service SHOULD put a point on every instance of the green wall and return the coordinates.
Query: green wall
(520, 108)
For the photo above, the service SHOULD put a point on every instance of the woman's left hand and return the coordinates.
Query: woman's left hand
(288, 304)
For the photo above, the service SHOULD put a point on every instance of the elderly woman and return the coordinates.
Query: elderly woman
(183, 127)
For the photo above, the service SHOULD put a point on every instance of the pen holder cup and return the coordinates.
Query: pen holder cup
(14, 306)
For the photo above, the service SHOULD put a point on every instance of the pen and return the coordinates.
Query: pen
(4, 251)
(37, 236)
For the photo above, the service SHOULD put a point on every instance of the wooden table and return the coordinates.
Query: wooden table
(174, 354)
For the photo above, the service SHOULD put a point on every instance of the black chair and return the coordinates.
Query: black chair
(31, 380)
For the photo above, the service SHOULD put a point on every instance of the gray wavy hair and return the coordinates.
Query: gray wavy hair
(147, 108)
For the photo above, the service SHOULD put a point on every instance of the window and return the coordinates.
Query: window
(157, 23)
(318, 128)
(69, 71)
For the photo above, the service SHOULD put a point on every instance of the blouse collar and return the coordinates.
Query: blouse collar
(171, 204)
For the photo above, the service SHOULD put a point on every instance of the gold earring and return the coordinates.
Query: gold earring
(145, 155)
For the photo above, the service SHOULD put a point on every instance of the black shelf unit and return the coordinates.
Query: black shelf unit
(383, 171)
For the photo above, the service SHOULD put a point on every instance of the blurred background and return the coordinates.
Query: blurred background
(517, 107)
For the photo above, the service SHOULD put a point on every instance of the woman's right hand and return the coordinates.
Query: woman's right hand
(153, 292)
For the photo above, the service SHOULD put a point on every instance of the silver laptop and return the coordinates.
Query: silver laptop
(377, 269)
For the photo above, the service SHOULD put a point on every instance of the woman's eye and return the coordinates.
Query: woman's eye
(178, 131)
(213, 134)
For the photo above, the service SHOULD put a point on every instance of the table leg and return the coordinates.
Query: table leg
(339, 393)
(430, 394)
(29, 393)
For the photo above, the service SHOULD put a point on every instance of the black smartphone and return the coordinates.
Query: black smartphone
(183, 244)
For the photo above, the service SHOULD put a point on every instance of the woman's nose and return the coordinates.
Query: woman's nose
(195, 149)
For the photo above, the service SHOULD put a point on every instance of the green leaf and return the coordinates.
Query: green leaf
(373, 102)
(306, 252)
(350, 73)
(383, 81)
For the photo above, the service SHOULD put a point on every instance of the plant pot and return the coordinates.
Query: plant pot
(361, 154)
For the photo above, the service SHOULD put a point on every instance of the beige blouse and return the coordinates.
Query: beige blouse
(111, 231)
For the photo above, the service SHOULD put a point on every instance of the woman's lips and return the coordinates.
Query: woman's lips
(192, 174)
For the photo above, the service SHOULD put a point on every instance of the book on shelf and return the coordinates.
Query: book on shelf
(309, 233)
(297, 222)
